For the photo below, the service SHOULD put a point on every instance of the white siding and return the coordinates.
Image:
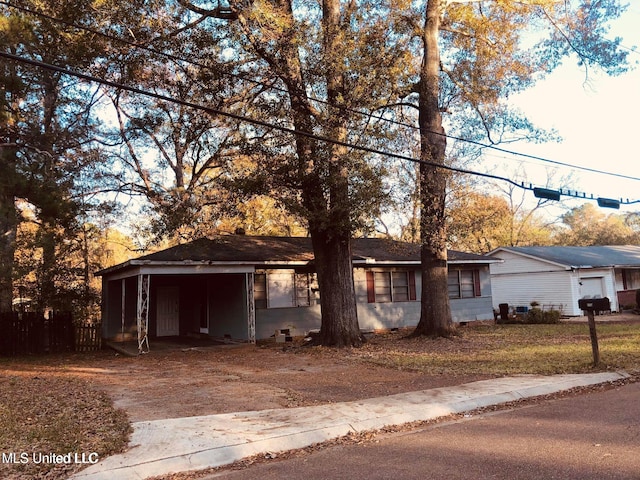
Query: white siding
(521, 280)
(546, 288)
(514, 263)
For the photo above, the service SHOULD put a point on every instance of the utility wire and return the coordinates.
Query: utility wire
(280, 89)
(242, 118)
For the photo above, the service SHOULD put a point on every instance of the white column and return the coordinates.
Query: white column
(251, 308)
(142, 313)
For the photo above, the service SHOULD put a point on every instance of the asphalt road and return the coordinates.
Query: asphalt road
(594, 436)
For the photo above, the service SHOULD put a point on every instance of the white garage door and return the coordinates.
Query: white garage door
(592, 287)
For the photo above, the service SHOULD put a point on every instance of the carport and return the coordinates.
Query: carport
(143, 299)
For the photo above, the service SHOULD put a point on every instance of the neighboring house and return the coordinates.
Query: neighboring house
(245, 288)
(559, 276)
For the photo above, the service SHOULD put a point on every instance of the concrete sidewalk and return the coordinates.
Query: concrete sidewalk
(193, 443)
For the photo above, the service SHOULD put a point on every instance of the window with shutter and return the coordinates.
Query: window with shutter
(391, 286)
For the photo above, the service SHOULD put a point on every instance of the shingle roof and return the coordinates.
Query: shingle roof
(238, 248)
(596, 256)
(258, 249)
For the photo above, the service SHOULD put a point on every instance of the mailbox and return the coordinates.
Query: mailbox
(594, 304)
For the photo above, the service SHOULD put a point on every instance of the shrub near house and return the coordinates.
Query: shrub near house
(537, 315)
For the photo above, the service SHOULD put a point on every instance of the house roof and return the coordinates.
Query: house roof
(258, 250)
(581, 257)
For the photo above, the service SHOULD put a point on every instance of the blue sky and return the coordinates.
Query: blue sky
(598, 121)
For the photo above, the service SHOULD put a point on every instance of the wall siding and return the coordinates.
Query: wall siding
(546, 288)
(521, 280)
(299, 320)
(514, 263)
(375, 316)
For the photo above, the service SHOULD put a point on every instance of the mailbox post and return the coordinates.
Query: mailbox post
(591, 305)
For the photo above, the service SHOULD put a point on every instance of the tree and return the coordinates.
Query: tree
(341, 53)
(11, 93)
(586, 225)
(483, 61)
(47, 125)
(479, 222)
(174, 155)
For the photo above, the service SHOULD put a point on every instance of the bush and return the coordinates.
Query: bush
(538, 316)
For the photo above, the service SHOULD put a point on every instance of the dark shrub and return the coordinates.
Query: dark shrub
(536, 315)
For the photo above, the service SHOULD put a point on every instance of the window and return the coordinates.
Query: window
(284, 289)
(303, 289)
(463, 283)
(260, 290)
(400, 286)
(391, 286)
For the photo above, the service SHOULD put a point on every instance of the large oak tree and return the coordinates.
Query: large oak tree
(475, 54)
(326, 62)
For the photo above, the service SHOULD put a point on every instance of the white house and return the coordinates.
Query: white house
(246, 288)
(559, 276)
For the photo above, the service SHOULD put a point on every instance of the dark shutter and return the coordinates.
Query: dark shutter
(371, 290)
(476, 283)
(412, 285)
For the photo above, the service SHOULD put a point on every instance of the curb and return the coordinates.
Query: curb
(194, 443)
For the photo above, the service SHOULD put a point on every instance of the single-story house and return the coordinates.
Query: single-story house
(559, 276)
(247, 287)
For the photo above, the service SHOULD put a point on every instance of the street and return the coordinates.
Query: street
(594, 436)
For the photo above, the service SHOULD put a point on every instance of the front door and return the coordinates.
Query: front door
(168, 311)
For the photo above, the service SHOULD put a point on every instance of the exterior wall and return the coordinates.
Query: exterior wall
(521, 280)
(471, 309)
(546, 288)
(112, 319)
(218, 302)
(514, 263)
(378, 316)
(373, 316)
(299, 320)
(281, 313)
(227, 308)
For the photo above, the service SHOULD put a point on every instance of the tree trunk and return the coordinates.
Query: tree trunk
(8, 229)
(339, 326)
(320, 170)
(8, 187)
(331, 236)
(48, 292)
(435, 311)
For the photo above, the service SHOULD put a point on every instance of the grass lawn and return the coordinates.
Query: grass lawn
(514, 349)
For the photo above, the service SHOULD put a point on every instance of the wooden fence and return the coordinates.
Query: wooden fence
(32, 333)
(88, 338)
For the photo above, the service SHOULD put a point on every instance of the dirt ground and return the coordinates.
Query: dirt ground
(178, 379)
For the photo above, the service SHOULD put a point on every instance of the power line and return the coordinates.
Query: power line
(242, 118)
(351, 110)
